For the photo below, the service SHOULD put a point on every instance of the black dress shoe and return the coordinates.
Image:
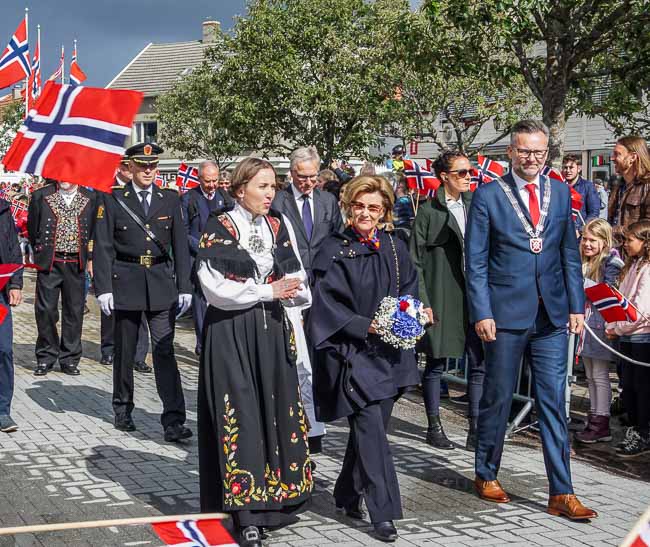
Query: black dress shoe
(251, 537)
(42, 369)
(141, 366)
(436, 434)
(124, 423)
(385, 531)
(106, 360)
(354, 511)
(71, 370)
(177, 432)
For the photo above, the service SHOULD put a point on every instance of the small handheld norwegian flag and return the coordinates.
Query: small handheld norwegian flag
(187, 178)
(425, 182)
(611, 304)
(194, 533)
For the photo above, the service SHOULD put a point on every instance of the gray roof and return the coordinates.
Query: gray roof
(158, 66)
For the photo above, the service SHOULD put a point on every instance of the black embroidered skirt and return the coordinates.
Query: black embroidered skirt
(253, 456)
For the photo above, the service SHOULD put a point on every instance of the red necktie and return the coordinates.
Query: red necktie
(533, 204)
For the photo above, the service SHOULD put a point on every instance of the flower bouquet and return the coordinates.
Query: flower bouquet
(400, 321)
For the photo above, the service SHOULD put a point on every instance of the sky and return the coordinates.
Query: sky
(109, 33)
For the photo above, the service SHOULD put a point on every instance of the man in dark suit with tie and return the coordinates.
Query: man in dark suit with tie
(524, 285)
(197, 205)
(314, 214)
(142, 266)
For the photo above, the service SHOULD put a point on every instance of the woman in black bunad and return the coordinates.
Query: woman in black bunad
(253, 456)
(356, 374)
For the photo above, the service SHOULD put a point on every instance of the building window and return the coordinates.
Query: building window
(145, 131)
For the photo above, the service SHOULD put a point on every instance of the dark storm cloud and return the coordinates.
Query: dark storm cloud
(110, 32)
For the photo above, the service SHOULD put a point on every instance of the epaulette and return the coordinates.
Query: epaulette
(117, 187)
(170, 189)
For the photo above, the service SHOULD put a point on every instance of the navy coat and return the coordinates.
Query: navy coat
(352, 368)
(10, 249)
(505, 280)
(196, 210)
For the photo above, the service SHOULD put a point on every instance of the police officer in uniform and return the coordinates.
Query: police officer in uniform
(122, 178)
(142, 265)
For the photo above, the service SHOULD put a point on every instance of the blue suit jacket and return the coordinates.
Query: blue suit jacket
(505, 280)
(196, 210)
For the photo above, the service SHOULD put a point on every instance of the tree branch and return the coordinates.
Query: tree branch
(527, 71)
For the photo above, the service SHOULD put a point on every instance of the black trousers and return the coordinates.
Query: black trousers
(64, 280)
(199, 307)
(107, 328)
(368, 467)
(635, 380)
(168, 381)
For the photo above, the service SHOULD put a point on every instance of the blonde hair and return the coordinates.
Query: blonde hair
(369, 184)
(637, 145)
(601, 230)
(641, 231)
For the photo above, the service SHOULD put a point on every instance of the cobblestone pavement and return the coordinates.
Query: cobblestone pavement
(67, 463)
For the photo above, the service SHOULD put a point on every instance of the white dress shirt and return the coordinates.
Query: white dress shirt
(299, 201)
(457, 208)
(227, 294)
(209, 197)
(148, 191)
(68, 195)
(523, 192)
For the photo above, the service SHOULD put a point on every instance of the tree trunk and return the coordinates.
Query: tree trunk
(554, 97)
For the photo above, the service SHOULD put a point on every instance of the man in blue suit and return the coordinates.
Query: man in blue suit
(524, 284)
(197, 205)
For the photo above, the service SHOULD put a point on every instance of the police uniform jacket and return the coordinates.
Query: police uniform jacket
(128, 263)
(43, 222)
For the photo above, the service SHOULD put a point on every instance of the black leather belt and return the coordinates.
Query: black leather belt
(144, 260)
(66, 256)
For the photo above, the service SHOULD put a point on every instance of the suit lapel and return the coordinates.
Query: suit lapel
(291, 209)
(319, 213)
(157, 200)
(131, 199)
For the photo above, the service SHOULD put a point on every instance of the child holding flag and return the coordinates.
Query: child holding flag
(635, 339)
(601, 263)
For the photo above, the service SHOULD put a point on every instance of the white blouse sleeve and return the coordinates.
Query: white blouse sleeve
(226, 294)
(303, 298)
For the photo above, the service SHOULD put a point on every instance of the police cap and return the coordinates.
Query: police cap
(144, 152)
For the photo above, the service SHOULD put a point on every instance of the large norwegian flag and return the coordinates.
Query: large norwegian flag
(611, 304)
(77, 76)
(187, 178)
(194, 533)
(34, 85)
(75, 134)
(425, 182)
(14, 63)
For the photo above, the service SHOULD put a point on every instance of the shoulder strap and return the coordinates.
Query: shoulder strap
(146, 230)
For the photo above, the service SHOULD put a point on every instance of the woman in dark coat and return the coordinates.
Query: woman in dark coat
(356, 375)
(437, 248)
(253, 456)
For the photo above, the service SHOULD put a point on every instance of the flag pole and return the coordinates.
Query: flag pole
(62, 64)
(30, 62)
(38, 528)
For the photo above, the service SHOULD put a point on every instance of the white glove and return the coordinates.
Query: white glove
(184, 303)
(106, 302)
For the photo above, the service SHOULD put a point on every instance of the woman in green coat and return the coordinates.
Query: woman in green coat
(437, 245)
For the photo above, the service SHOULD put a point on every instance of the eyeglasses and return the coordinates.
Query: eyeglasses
(462, 173)
(305, 178)
(525, 153)
(373, 210)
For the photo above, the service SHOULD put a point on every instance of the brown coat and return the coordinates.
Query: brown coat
(635, 203)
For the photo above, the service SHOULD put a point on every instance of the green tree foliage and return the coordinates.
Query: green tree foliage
(293, 72)
(564, 49)
(11, 118)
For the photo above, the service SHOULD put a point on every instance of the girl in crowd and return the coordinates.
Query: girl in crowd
(253, 456)
(356, 374)
(600, 263)
(437, 248)
(635, 339)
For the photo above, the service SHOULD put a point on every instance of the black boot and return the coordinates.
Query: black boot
(470, 444)
(436, 435)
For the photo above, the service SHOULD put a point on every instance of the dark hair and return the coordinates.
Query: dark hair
(641, 231)
(246, 170)
(529, 127)
(572, 157)
(444, 161)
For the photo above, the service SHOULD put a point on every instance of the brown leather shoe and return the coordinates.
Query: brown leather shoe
(490, 491)
(567, 505)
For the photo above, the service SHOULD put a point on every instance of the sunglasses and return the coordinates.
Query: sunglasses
(462, 173)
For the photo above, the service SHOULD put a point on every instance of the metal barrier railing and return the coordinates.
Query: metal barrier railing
(457, 370)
